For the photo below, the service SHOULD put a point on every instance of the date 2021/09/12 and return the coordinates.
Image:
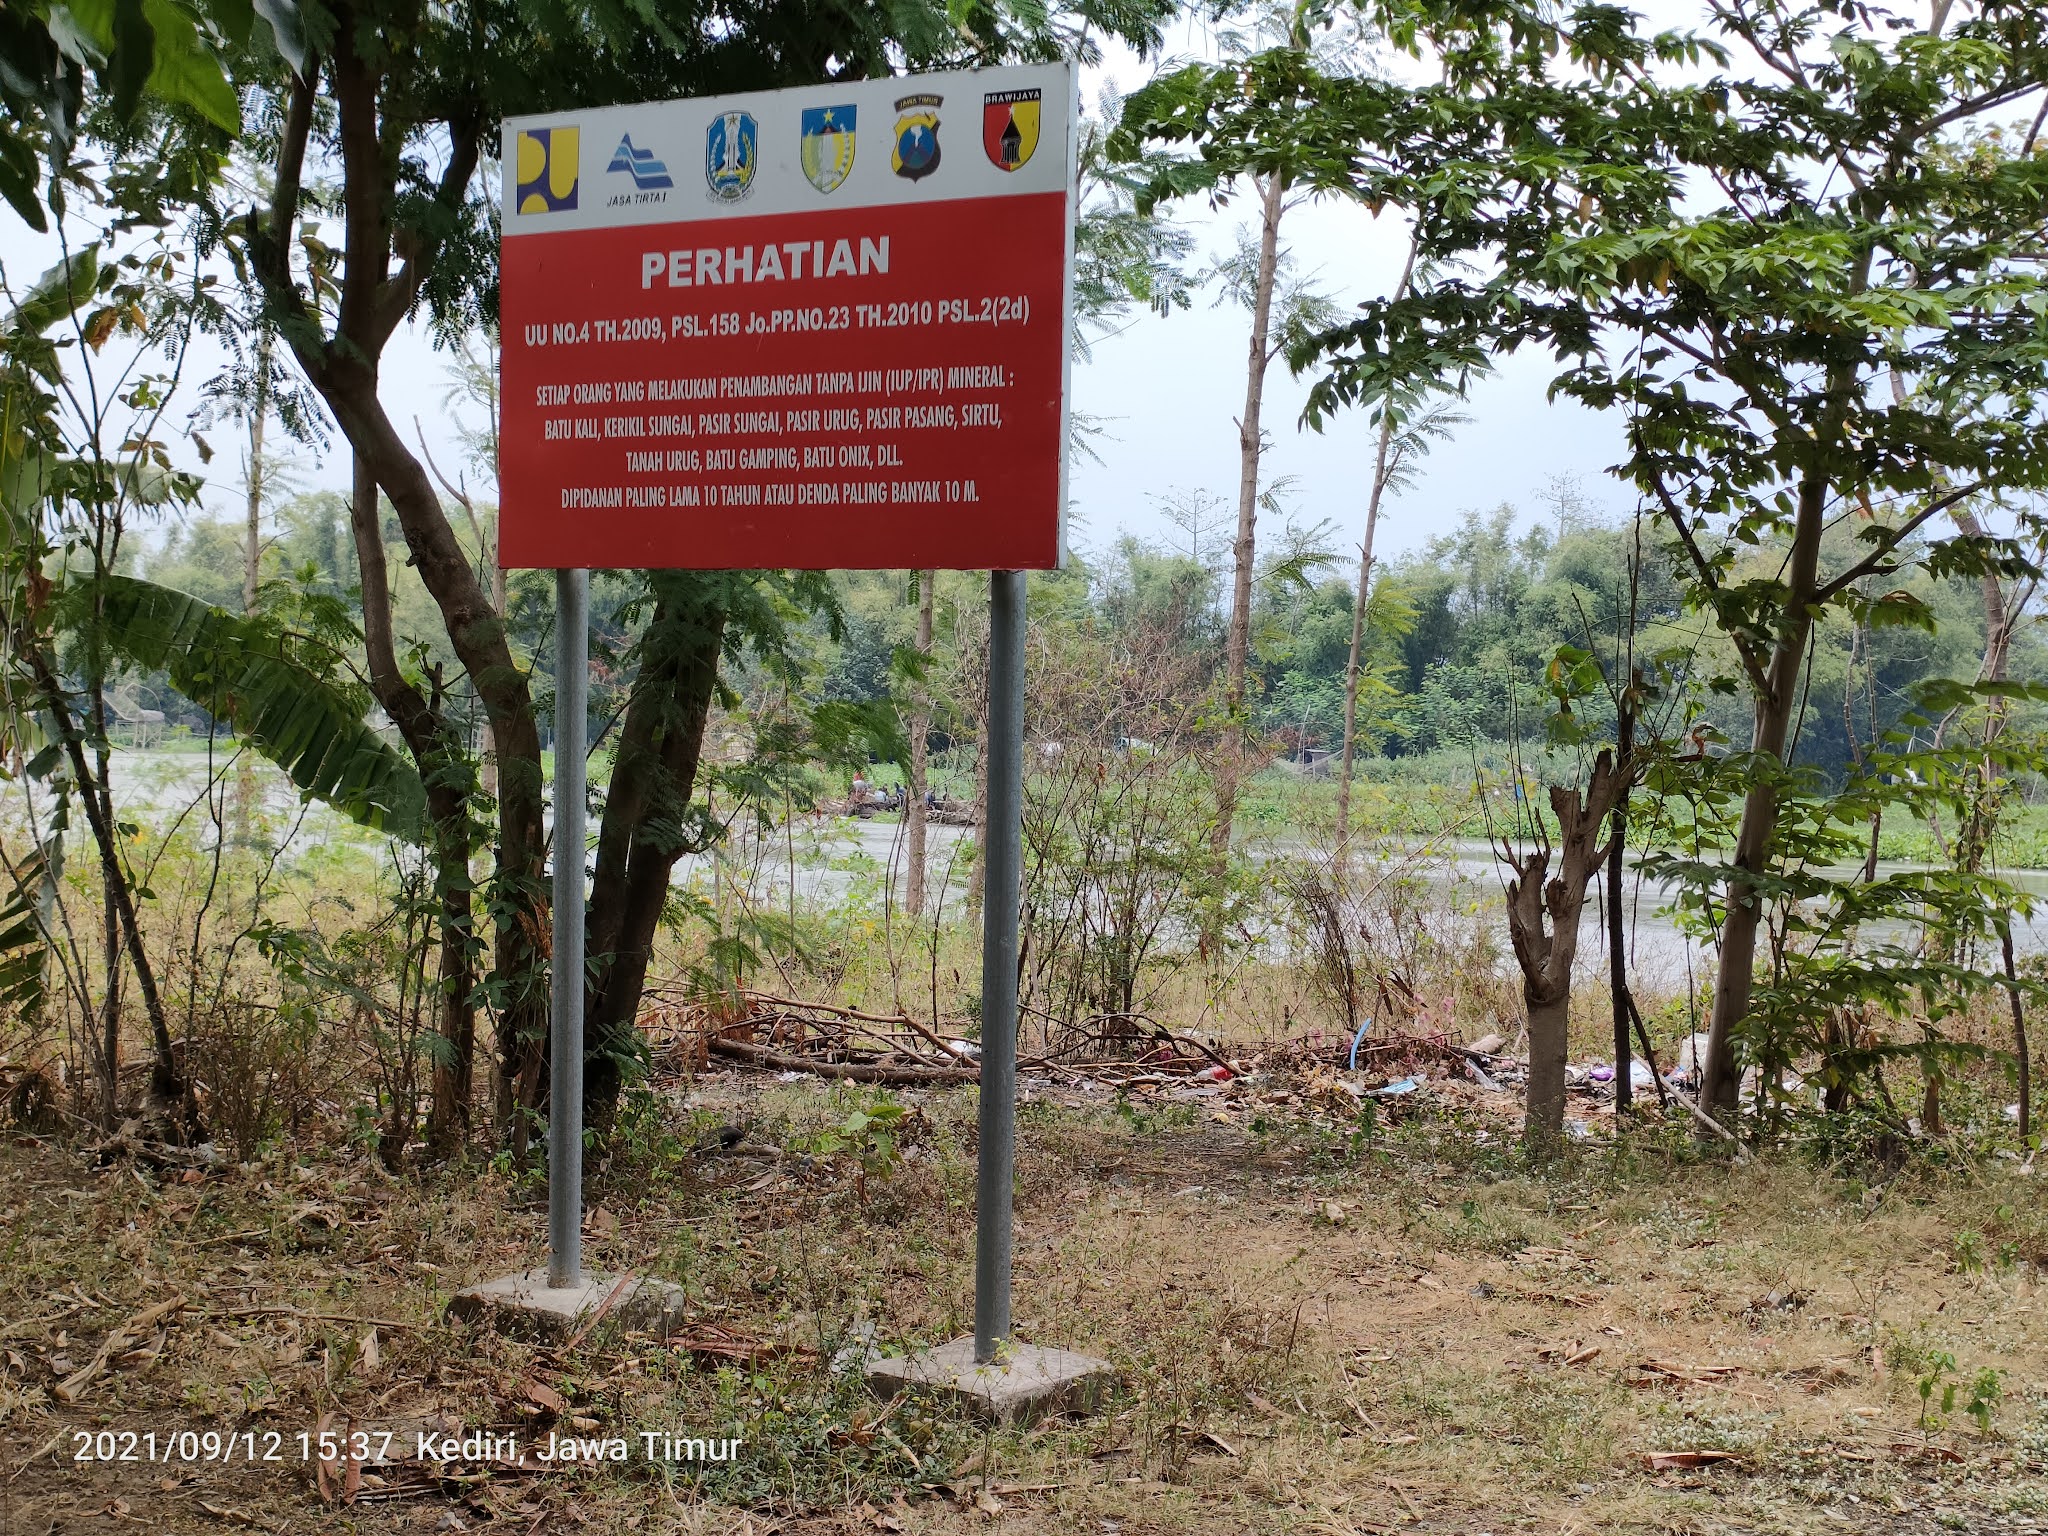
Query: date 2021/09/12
(706, 324)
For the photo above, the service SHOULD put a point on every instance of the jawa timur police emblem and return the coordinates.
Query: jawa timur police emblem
(916, 154)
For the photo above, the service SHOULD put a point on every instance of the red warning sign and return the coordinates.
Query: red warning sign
(823, 328)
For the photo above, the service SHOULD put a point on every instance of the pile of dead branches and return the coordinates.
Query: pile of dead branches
(788, 1034)
(1125, 1051)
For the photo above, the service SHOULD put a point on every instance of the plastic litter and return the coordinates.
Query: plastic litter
(1358, 1040)
(1478, 1075)
(1216, 1074)
(1600, 1072)
(1692, 1057)
(1394, 1090)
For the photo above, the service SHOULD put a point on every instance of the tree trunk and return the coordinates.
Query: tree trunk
(644, 829)
(1838, 1036)
(1617, 935)
(490, 740)
(1251, 443)
(920, 730)
(2021, 1053)
(1974, 843)
(110, 1006)
(252, 562)
(446, 772)
(123, 932)
(1549, 1029)
(1244, 550)
(1382, 468)
(479, 639)
(1774, 708)
(373, 302)
(1543, 925)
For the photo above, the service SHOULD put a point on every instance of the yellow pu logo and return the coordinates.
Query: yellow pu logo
(547, 169)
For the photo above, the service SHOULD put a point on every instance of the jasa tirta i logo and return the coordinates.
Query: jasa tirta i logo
(547, 170)
(916, 154)
(732, 150)
(1009, 127)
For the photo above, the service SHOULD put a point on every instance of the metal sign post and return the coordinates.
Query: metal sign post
(1002, 888)
(565, 1026)
(821, 328)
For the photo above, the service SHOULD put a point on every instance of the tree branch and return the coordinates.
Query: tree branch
(271, 245)
(402, 289)
(1675, 515)
(367, 235)
(1874, 561)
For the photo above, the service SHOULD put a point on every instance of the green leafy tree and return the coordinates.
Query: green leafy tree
(1737, 241)
(73, 477)
(115, 61)
(404, 103)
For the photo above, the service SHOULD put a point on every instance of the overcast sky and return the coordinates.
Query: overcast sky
(1165, 392)
(1168, 393)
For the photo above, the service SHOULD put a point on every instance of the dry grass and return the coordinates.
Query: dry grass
(1468, 1349)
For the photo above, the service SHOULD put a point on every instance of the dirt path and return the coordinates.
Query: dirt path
(1311, 1334)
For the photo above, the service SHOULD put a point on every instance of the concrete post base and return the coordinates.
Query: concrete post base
(527, 1306)
(1024, 1384)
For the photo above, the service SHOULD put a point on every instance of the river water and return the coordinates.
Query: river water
(829, 861)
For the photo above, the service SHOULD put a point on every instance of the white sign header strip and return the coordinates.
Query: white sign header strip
(860, 144)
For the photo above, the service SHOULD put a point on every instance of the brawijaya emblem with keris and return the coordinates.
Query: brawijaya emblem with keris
(1009, 127)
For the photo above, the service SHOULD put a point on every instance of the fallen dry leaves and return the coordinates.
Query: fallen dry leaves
(118, 1345)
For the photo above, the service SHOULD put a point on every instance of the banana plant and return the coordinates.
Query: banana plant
(284, 694)
(257, 678)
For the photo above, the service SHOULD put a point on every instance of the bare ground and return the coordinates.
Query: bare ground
(1315, 1331)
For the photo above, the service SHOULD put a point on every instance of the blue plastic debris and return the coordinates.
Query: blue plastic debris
(1356, 1041)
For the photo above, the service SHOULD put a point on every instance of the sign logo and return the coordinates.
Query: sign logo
(916, 154)
(1009, 128)
(825, 147)
(732, 151)
(648, 173)
(547, 170)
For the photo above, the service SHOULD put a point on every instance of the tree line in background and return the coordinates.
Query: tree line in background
(1809, 633)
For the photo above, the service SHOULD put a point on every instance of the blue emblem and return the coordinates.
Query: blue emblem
(732, 151)
(648, 173)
